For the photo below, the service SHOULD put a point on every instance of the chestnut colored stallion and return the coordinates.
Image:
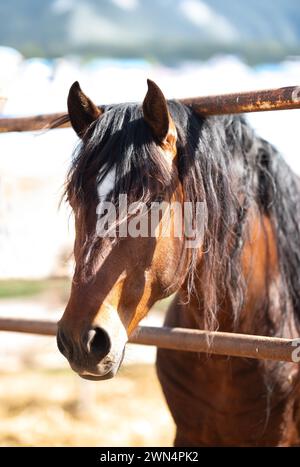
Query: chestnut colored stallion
(243, 277)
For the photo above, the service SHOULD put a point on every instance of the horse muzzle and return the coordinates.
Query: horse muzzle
(102, 371)
(97, 353)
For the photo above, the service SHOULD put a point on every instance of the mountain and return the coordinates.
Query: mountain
(159, 29)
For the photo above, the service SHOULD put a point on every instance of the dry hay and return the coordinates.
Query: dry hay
(57, 408)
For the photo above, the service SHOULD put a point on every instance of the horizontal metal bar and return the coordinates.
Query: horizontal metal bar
(189, 340)
(35, 123)
(286, 98)
(253, 101)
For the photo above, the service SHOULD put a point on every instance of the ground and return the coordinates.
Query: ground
(43, 403)
(57, 408)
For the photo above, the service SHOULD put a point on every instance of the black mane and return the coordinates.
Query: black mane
(222, 163)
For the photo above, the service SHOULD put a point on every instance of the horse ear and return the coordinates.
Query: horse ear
(156, 114)
(82, 111)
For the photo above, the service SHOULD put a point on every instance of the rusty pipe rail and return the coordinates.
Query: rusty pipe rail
(189, 340)
(253, 101)
(35, 123)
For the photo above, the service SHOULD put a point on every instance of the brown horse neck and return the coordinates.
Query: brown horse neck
(260, 269)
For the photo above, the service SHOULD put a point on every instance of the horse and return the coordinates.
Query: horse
(242, 275)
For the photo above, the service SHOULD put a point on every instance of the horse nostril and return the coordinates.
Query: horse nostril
(98, 343)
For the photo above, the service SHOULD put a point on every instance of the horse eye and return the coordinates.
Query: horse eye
(159, 199)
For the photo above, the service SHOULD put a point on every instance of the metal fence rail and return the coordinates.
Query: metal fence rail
(189, 340)
(252, 101)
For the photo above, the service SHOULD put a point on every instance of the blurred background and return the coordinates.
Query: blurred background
(190, 48)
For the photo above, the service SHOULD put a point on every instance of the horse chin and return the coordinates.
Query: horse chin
(109, 375)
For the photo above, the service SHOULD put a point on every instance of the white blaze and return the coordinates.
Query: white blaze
(104, 188)
(106, 185)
